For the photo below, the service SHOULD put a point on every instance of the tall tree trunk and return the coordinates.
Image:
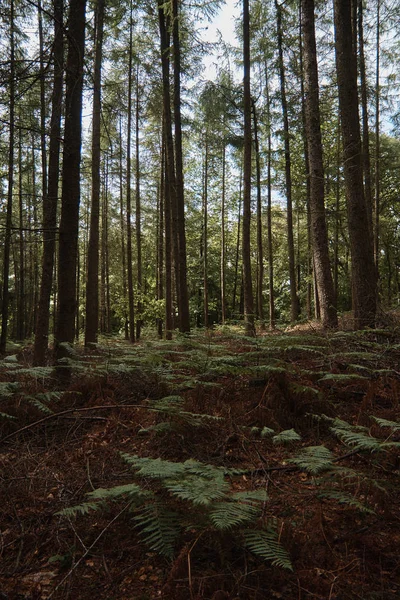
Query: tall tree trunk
(7, 237)
(260, 250)
(170, 183)
(365, 126)
(70, 196)
(92, 285)
(223, 236)
(205, 234)
(319, 233)
(128, 189)
(160, 235)
(21, 270)
(183, 300)
(269, 204)
(235, 280)
(294, 300)
(377, 141)
(50, 196)
(122, 227)
(363, 269)
(138, 215)
(246, 242)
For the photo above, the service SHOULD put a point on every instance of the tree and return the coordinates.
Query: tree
(70, 195)
(92, 285)
(246, 243)
(363, 269)
(319, 235)
(11, 143)
(50, 195)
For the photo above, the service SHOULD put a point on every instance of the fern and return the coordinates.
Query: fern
(313, 459)
(198, 490)
(354, 435)
(80, 509)
(285, 437)
(132, 490)
(160, 528)
(227, 515)
(6, 416)
(8, 389)
(156, 468)
(344, 498)
(385, 423)
(265, 543)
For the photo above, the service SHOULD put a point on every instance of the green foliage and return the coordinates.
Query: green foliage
(266, 545)
(313, 459)
(286, 437)
(343, 498)
(160, 527)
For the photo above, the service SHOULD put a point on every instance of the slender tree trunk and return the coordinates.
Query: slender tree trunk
(160, 236)
(138, 215)
(365, 126)
(129, 191)
(92, 285)
(235, 281)
(70, 196)
(205, 235)
(294, 300)
(260, 250)
(7, 237)
(269, 205)
(170, 182)
(319, 233)
(21, 270)
(223, 237)
(183, 300)
(50, 196)
(363, 269)
(246, 242)
(377, 141)
(123, 226)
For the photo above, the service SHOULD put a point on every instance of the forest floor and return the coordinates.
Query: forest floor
(334, 509)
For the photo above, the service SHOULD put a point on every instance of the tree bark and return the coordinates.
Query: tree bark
(294, 300)
(183, 300)
(129, 191)
(70, 196)
(260, 250)
(223, 236)
(50, 196)
(246, 242)
(92, 285)
(138, 215)
(7, 237)
(363, 269)
(319, 233)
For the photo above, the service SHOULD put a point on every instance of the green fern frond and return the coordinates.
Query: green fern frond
(6, 416)
(80, 509)
(130, 489)
(343, 377)
(169, 404)
(266, 545)
(159, 527)
(285, 437)
(199, 490)
(8, 389)
(38, 404)
(385, 423)
(266, 431)
(156, 468)
(313, 459)
(164, 427)
(354, 435)
(37, 372)
(343, 498)
(226, 515)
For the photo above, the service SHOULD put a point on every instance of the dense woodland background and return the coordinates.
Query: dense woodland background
(136, 193)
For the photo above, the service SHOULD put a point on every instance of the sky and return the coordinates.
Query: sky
(224, 22)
